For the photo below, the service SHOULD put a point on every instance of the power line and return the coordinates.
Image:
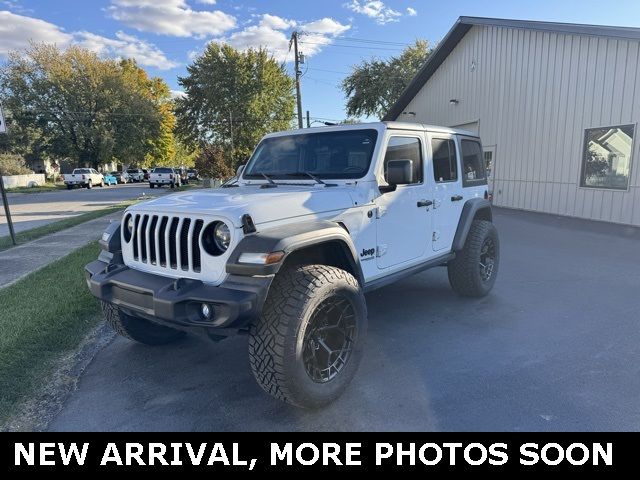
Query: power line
(348, 46)
(329, 71)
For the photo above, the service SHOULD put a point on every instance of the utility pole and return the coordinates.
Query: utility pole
(294, 39)
(308, 120)
(3, 193)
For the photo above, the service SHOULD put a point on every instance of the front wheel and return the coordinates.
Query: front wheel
(473, 272)
(306, 346)
(101, 183)
(151, 185)
(138, 329)
(89, 185)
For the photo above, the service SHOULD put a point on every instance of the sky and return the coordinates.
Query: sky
(164, 36)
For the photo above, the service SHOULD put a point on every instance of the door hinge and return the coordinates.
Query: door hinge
(380, 211)
(436, 203)
(381, 250)
(436, 236)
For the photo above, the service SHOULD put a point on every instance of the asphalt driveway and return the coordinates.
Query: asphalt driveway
(556, 346)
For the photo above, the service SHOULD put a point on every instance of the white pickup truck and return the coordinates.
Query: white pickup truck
(164, 176)
(83, 177)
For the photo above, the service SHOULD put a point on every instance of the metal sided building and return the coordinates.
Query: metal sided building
(557, 106)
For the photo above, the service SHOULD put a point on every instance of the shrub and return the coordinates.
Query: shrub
(11, 164)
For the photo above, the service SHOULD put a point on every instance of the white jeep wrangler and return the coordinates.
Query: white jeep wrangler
(286, 252)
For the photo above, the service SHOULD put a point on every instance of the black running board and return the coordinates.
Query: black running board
(407, 272)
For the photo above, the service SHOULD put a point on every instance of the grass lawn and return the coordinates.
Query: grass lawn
(47, 187)
(34, 233)
(43, 316)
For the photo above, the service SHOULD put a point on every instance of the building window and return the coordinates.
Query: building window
(472, 164)
(445, 167)
(606, 158)
(405, 148)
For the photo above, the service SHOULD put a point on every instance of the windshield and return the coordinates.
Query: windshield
(81, 170)
(132, 171)
(342, 154)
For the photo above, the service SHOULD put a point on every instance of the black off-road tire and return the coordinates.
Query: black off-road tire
(467, 273)
(277, 337)
(138, 329)
(151, 185)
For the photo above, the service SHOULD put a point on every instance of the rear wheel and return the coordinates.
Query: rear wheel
(138, 329)
(101, 183)
(151, 185)
(89, 185)
(473, 272)
(306, 346)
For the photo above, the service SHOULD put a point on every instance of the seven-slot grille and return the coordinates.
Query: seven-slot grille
(167, 241)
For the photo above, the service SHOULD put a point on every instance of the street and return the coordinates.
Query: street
(29, 210)
(555, 346)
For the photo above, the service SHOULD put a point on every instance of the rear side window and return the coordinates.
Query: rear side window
(162, 170)
(472, 164)
(405, 148)
(445, 166)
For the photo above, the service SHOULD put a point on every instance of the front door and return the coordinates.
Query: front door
(448, 200)
(404, 222)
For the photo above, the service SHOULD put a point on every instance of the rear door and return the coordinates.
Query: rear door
(448, 199)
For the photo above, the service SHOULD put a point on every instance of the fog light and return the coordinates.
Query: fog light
(206, 311)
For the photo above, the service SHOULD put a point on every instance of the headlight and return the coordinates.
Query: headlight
(222, 236)
(128, 231)
(216, 238)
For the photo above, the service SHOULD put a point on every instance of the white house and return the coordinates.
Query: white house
(556, 105)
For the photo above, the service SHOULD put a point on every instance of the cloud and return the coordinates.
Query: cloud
(374, 9)
(412, 12)
(17, 31)
(171, 17)
(125, 46)
(177, 94)
(207, 2)
(273, 33)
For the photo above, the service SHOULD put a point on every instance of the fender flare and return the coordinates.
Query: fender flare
(291, 238)
(469, 211)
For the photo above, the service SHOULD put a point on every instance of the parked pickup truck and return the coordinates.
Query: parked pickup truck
(286, 251)
(135, 174)
(83, 177)
(164, 176)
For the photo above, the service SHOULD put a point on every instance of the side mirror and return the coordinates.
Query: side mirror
(400, 172)
(240, 170)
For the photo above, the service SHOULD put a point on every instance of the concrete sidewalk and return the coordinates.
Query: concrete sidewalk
(19, 261)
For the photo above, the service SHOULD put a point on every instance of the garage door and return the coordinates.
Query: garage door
(471, 127)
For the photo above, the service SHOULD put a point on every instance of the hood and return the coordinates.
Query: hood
(263, 204)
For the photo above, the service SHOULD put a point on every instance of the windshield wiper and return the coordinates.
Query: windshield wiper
(313, 177)
(271, 183)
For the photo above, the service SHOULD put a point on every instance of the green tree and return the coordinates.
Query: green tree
(81, 106)
(375, 85)
(232, 99)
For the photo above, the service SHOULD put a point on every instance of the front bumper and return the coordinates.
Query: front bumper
(177, 302)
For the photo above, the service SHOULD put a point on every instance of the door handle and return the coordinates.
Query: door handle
(456, 198)
(424, 203)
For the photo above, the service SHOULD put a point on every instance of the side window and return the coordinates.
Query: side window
(405, 148)
(472, 164)
(445, 166)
